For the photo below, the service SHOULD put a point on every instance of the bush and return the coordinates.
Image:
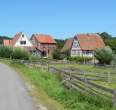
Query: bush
(79, 59)
(104, 55)
(56, 54)
(65, 54)
(19, 53)
(6, 51)
(33, 57)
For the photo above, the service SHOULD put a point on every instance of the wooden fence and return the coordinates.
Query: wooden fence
(78, 80)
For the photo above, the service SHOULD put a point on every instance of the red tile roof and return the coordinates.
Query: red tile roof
(90, 41)
(86, 42)
(42, 38)
(15, 38)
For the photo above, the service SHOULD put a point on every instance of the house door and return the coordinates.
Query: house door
(44, 54)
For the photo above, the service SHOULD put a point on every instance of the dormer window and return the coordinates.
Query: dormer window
(22, 35)
(22, 42)
(75, 44)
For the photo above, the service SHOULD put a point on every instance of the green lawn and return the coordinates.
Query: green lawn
(50, 91)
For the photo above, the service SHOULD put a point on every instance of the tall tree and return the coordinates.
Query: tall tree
(105, 35)
(60, 43)
(109, 40)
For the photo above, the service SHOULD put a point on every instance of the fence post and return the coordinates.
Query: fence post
(84, 77)
(48, 67)
(85, 81)
(62, 75)
(34, 65)
(70, 78)
(109, 77)
(114, 98)
(70, 75)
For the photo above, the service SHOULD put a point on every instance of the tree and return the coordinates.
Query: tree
(60, 43)
(109, 40)
(104, 55)
(65, 54)
(105, 36)
(56, 54)
(112, 44)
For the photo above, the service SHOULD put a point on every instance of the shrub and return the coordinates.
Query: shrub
(65, 54)
(6, 51)
(104, 55)
(19, 53)
(56, 54)
(33, 57)
(79, 59)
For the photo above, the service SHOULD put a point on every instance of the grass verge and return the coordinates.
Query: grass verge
(49, 90)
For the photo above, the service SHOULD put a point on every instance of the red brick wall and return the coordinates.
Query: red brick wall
(44, 47)
(47, 47)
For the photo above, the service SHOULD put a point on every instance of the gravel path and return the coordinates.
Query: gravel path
(13, 94)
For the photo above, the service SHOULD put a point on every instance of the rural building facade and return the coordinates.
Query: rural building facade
(19, 40)
(83, 45)
(45, 44)
(4, 40)
(40, 44)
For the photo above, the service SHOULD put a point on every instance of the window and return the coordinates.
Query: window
(75, 44)
(50, 46)
(22, 35)
(22, 42)
(74, 52)
(88, 52)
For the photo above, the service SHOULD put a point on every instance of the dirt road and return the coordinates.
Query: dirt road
(13, 93)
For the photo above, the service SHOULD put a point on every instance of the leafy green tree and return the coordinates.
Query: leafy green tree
(1, 42)
(66, 54)
(56, 54)
(104, 55)
(112, 44)
(105, 35)
(60, 43)
(109, 40)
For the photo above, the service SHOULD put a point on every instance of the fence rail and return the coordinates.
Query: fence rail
(80, 82)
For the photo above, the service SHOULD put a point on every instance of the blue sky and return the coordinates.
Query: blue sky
(60, 18)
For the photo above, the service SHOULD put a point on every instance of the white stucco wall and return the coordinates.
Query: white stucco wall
(28, 43)
(75, 49)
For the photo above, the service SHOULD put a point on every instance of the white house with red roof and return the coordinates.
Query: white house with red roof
(83, 45)
(21, 40)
